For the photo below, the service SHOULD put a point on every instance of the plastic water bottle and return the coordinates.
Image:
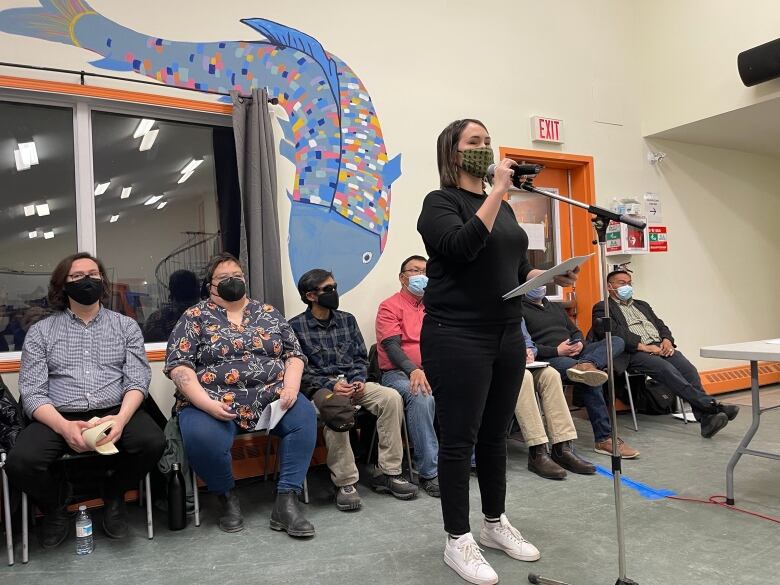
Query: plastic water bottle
(84, 542)
(177, 499)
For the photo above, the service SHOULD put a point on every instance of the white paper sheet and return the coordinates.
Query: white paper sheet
(536, 365)
(547, 276)
(535, 233)
(270, 416)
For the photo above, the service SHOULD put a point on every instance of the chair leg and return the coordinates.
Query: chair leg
(267, 456)
(305, 490)
(149, 523)
(371, 446)
(408, 449)
(25, 530)
(196, 498)
(9, 532)
(631, 401)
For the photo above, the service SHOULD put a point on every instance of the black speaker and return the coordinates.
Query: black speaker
(759, 64)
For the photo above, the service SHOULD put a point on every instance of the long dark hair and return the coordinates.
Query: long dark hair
(58, 300)
(447, 151)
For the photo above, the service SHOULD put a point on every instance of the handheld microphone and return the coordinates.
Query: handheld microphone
(520, 171)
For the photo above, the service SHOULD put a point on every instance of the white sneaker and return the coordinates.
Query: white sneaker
(503, 536)
(465, 558)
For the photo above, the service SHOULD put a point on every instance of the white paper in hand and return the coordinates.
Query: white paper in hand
(546, 276)
(270, 416)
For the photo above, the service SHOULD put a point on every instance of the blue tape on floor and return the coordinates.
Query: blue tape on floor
(642, 489)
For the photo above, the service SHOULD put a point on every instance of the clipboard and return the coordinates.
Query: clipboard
(547, 276)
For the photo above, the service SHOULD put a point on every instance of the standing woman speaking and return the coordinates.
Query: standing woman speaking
(473, 350)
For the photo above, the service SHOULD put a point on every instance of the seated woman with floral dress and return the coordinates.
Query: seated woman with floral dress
(230, 357)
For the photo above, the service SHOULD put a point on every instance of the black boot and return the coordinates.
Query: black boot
(231, 519)
(114, 509)
(288, 516)
(55, 528)
(564, 455)
(540, 463)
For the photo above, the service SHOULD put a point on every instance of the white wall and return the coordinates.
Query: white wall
(591, 64)
(688, 57)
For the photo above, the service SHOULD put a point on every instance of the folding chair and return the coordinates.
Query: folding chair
(9, 533)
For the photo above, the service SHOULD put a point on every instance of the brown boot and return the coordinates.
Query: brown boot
(564, 455)
(586, 373)
(541, 464)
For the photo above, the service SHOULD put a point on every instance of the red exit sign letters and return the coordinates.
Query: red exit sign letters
(546, 129)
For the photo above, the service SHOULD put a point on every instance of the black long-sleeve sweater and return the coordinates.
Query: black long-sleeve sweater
(470, 268)
(548, 326)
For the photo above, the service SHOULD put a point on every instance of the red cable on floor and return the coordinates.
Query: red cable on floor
(714, 501)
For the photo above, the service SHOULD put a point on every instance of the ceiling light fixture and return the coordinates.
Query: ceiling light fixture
(42, 209)
(25, 156)
(125, 192)
(143, 128)
(32, 234)
(48, 235)
(153, 199)
(163, 204)
(184, 177)
(101, 188)
(148, 140)
(29, 210)
(192, 165)
(114, 218)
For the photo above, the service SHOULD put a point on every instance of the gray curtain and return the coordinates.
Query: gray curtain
(255, 154)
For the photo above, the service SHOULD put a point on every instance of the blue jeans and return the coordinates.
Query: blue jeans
(420, 413)
(592, 397)
(207, 442)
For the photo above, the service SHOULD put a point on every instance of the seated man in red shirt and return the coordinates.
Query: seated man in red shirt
(398, 324)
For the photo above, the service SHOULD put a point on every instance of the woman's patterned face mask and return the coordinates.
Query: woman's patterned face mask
(477, 160)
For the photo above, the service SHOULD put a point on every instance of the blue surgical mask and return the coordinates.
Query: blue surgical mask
(536, 294)
(625, 292)
(417, 284)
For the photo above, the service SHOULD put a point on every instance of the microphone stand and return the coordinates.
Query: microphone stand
(600, 220)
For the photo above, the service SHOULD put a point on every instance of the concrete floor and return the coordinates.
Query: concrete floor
(572, 522)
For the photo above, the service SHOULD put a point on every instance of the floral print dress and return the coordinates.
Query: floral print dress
(240, 365)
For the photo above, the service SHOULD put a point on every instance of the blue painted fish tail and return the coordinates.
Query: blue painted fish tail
(55, 20)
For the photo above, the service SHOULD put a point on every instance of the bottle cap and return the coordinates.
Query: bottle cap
(82, 507)
(175, 467)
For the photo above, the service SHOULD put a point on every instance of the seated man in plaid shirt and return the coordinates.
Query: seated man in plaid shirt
(337, 361)
(83, 361)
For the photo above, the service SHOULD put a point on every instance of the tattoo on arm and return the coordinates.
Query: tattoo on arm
(180, 378)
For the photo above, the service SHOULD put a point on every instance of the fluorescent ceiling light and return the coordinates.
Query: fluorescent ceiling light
(25, 156)
(192, 165)
(143, 127)
(125, 192)
(101, 188)
(33, 234)
(184, 177)
(153, 199)
(114, 218)
(29, 210)
(163, 204)
(148, 140)
(48, 235)
(42, 209)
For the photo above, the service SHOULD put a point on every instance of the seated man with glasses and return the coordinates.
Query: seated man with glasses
(650, 350)
(337, 361)
(398, 325)
(83, 361)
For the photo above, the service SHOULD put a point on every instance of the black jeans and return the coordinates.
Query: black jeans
(677, 374)
(38, 446)
(475, 374)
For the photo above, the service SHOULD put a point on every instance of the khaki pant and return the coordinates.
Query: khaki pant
(550, 389)
(388, 406)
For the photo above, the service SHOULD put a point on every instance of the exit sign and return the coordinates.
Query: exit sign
(546, 130)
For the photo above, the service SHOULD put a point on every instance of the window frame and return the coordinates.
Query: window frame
(82, 107)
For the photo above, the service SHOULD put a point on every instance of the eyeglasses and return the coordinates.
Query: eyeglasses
(228, 276)
(328, 288)
(618, 283)
(80, 275)
(414, 271)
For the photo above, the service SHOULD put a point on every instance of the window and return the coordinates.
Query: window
(155, 215)
(149, 211)
(38, 211)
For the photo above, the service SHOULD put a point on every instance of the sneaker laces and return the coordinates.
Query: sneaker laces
(510, 531)
(472, 554)
(347, 489)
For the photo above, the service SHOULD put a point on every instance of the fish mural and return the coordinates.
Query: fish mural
(340, 199)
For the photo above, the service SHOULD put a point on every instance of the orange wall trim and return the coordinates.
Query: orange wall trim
(12, 366)
(738, 377)
(150, 99)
